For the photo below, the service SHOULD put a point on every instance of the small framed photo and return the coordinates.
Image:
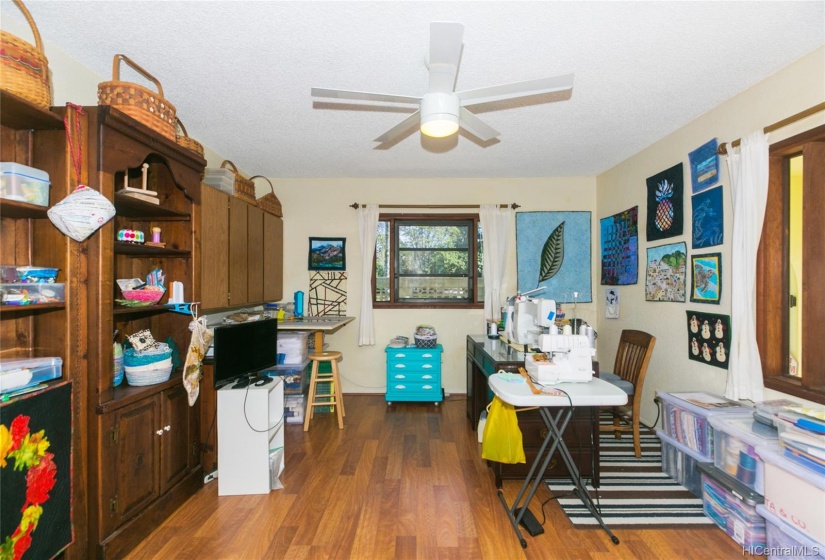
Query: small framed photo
(327, 253)
(706, 274)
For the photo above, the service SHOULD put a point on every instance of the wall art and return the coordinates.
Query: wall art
(327, 293)
(665, 277)
(611, 303)
(708, 218)
(620, 248)
(553, 251)
(704, 166)
(706, 275)
(665, 203)
(708, 338)
(35, 478)
(327, 253)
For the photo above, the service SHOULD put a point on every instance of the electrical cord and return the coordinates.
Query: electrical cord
(248, 423)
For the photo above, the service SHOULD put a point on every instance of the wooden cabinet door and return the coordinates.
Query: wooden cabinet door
(273, 258)
(176, 442)
(131, 448)
(214, 248)
(238, 259)
(255, 255)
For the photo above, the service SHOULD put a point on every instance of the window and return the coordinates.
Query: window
(790, 306)
(431, 260)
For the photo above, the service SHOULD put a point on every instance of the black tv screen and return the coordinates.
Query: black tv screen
(243, 349)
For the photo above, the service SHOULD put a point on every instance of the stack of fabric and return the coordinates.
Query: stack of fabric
(802, 436)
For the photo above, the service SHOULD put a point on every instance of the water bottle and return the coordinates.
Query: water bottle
(299, 304)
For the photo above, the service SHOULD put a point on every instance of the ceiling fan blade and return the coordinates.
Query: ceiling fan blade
(399, 129)
(476, 126)
(445, 51)
(517, 89)
(363, 95)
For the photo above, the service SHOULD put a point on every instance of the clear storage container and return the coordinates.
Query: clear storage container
(24, 184)
(293, 344)
(294, 376)
(732, 506)
(784, 542)
(18, 374)
(680, 463)
(735, 440)
(32, 294)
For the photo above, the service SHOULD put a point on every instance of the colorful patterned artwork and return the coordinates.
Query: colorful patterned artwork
(709, 338)
(665, 278)
(665, 203)
(35, 473)
(704, 166)
(553, 251)
(706, 278)
(708, 218)
(620, 248)
(328, 294)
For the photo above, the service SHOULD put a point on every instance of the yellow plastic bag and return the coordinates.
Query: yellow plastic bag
(502, 437)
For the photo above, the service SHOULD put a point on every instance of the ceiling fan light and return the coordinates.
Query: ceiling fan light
(439, 114)
(439, 126)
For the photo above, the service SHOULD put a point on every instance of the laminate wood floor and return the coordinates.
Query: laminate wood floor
(404, 481)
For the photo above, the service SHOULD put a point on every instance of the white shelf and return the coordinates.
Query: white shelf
(250, 424)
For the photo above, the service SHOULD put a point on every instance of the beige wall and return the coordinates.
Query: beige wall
(789, 91)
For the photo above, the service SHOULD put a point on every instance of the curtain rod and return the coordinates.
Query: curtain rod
(357, 206)
(722, 149)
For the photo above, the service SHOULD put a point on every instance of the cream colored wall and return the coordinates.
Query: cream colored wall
(787, 92)
(321, 208)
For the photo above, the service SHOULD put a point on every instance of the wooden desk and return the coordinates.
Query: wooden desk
(318, 325)
(484, 358)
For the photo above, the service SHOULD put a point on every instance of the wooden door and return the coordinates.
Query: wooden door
(131, 461)
(255, 255)
(238, 260)
(176, 442)
(214, 248)
(273, 258)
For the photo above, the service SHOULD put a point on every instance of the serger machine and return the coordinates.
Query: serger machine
(527, 318)
(564, 358)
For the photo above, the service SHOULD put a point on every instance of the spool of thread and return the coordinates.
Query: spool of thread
(746, 472)
(567, 330)
(155, 234)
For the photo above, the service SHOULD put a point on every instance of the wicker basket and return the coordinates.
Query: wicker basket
(24, 69)
(140, 103)
(244, 188)
(188, 143)
(269, 202)
(151, 374)
(425, 341)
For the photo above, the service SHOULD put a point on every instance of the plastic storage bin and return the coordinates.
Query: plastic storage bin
(735, 438)
(24, 184)
(794, 493)
(295, 377)
(294, 407)
(680, 463)
(784, 542)
(221, 179)
(732, 506)
(18, 374)
(687, 421)
(294, 345)
(32, 294)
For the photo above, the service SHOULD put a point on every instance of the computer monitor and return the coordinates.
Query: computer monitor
(244, 349)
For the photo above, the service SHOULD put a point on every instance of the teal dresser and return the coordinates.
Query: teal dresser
(414, 374)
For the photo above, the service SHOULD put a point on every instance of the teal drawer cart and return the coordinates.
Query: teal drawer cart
(414, 374)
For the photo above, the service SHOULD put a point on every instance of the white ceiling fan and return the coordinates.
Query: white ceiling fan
(442, 110)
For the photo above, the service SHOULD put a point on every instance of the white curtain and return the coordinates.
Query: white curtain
(748, 171)
(367, 230)
(496, 224)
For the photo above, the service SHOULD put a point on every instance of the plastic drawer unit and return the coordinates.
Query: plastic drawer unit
(735, 438)
(732, 506)
(785, 542)
(685, 418)
(414, 374)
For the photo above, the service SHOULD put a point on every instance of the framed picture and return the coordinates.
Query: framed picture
(708, 338)
(665, 277)
(706, 274)
(327, 253)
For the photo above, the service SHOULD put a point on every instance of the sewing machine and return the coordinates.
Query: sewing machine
(527, 318)
(563, 359)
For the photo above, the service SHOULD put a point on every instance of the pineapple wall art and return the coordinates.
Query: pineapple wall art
(665, 203)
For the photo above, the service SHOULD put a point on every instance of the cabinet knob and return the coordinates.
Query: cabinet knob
(160, 432)
(426, 355)
(167, 428)
(400, 355)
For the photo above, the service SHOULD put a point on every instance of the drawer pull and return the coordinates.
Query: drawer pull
(427, 366)
(400, 355)
(400, 387)
(400, 376)
(426, 376)
(426, 355)
(400, 366)
(427, 387)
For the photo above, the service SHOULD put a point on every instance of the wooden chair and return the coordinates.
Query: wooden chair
(632, 358)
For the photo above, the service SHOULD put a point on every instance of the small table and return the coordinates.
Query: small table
(593, 393)
(318, 325)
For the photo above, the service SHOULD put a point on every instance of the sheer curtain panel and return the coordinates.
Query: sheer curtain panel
(496, 224)
(367, 230)
(748, 171)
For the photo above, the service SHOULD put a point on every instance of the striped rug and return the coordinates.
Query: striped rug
(633, 492)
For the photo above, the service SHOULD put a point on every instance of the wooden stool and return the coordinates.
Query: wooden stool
(335, 396)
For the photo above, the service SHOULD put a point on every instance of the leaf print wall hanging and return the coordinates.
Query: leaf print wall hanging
(665, 203)
(553, 250)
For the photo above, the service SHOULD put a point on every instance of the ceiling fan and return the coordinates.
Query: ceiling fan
(442, 109)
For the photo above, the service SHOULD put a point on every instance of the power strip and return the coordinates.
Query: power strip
(210, 477)
(529, 522)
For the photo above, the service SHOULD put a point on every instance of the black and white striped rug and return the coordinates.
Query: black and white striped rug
(634, 491)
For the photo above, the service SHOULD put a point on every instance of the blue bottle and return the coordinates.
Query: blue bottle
(299, 304)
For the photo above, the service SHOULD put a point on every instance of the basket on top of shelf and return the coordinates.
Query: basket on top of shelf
(425, 337)
(269, 202)
(186, 141)
(24, 68)
(148, 367)
(142, 104)
(244, 188)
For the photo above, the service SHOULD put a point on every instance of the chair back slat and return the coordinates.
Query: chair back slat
(633, 355)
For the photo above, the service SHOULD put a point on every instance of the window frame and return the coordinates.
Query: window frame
(772, 270)
(392, 218)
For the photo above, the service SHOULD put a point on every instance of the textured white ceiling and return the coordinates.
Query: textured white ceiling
(240, 74)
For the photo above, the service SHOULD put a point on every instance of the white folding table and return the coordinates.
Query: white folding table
(517, 393)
